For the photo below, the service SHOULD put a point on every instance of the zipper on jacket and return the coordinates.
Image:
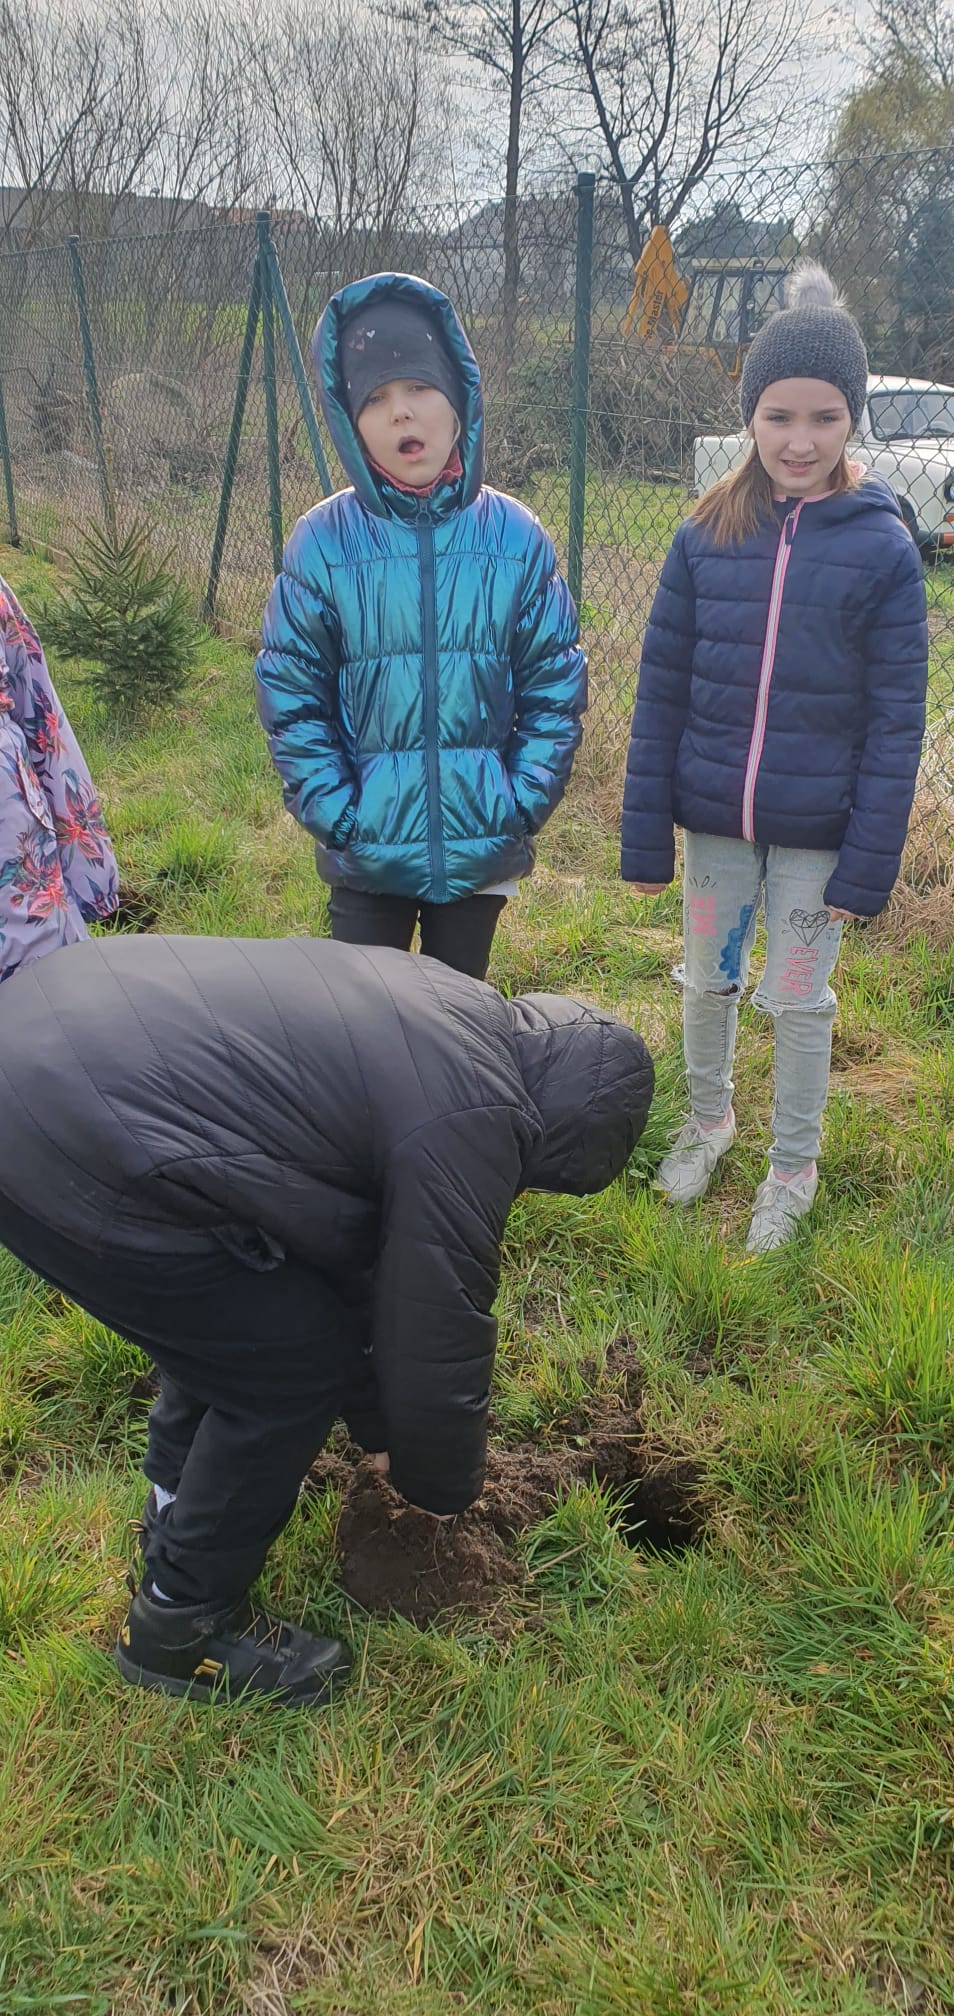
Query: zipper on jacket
(757, 742)
(435, 834)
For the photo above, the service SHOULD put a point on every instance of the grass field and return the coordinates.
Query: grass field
(715, 1781)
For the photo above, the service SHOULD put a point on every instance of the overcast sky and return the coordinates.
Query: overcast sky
(846, 28)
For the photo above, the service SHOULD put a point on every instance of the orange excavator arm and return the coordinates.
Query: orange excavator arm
(658, 291)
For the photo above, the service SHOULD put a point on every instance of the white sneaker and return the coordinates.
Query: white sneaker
(685, 1172)
(778, 1207)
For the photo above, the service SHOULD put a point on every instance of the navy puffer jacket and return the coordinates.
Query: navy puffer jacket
(421, 680)
(782, 693)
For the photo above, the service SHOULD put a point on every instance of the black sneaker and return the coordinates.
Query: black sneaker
(194, 1649)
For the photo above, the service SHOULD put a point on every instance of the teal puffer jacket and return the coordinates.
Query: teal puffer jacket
(421, 681)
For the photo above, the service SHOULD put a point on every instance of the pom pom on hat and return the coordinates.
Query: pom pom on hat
(809, 286)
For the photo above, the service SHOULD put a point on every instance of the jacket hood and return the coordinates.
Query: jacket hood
(375, 492)
(591, 1081)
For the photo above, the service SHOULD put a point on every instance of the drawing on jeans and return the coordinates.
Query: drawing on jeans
(808, 924)
(701, 913)
(730, 961)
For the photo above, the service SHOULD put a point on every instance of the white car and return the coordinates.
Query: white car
(906, 435)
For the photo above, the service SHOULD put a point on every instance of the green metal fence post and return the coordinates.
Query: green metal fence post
(271, 396)
(293, 347)
(8, 473)
(235, 437)
(92, 387)
(585, 186)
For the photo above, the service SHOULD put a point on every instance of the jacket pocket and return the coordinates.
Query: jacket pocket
(344, 834)
(515, 825)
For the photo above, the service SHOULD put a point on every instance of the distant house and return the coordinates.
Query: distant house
(731, 238)
(46, 216)
(468, 261)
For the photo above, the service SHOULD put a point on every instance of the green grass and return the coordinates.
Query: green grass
(940, 586)
(619, 512)
(716, 1783)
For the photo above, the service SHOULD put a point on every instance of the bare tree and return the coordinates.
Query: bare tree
(51, 87)
(922, 31)
(352, 113)
(514, 42)
(134, 100)
(98, 105)
(106, 152)
(210, 149)
(206, 161)
(674, 84)
(357, 124)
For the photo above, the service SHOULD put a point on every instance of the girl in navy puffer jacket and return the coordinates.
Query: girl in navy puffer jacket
(421, 680)
(779, 720)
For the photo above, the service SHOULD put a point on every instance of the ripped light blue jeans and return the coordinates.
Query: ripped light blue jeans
(726, 881)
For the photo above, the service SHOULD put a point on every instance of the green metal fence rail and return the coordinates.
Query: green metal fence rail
(586, 188)
(234, 439)
(12, 527)
(92, 387)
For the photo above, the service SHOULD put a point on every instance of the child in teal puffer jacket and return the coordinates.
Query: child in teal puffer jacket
(421, 680)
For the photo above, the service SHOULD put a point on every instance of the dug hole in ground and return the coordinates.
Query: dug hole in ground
(396, 1559)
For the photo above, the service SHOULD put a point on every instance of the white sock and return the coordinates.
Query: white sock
(163, 1498)
(794, 1175)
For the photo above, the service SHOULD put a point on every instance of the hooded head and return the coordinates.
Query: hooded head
(420, 329)
(591, 1081)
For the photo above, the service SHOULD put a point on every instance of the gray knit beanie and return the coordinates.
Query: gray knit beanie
(813, 336)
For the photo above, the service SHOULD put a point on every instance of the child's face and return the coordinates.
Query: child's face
(801, 427)
(408, 429)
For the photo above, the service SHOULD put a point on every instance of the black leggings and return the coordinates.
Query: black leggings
(459, 934)
(255, 1368)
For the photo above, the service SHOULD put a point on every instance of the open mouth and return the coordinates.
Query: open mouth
(411, 447)
(798, 468)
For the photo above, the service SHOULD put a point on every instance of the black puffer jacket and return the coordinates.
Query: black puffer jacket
(359, 1109)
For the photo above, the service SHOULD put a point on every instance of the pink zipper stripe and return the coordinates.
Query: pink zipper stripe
(757, 743)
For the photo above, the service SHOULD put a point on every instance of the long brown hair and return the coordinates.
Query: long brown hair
(742, 501)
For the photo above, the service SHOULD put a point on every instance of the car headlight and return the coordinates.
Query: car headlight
(949, 488)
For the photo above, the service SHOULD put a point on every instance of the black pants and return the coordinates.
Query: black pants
(255, 1368)
(459, 934)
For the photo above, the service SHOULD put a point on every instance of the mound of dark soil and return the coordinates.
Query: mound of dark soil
(394, 1558)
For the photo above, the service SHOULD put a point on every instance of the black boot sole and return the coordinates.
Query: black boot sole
(308, 1695)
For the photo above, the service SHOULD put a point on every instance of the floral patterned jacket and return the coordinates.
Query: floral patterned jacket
(57, 868)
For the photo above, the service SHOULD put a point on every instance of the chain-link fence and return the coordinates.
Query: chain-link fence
(164, 376)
